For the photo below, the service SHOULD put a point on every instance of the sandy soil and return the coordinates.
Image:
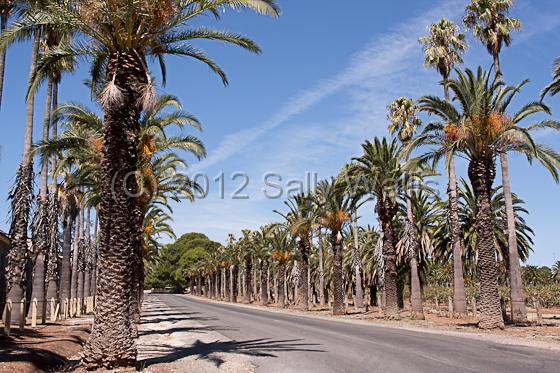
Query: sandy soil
(45, 349)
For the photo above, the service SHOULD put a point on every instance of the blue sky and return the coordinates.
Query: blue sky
(306, 104)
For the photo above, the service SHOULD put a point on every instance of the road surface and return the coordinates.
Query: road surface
(282, 342)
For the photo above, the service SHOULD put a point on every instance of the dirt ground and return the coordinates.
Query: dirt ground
(48, 348)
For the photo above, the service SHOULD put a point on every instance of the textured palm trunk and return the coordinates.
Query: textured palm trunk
(415, 291)
(87, 256)
(21, 197)
(75, 254)
(65, 269)
(248, 279)
(264, 281)
(337, 280)
(112, 341)
(234, 278)
(321, 271)
(94, 257)
(386, 211)
(3, 26)
(481, 174)
(459, 297)
(227, 284)
(303, 291)
(54, 242)
(281, 284)
(41, 221)
(356, 256)
(81, 259)
(518, 309)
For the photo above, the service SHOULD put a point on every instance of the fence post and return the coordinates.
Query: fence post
(53, 314)
(450, 307)
(537, 305)
(34, 313)
(8, 317)
(22, 314)
(475, 311)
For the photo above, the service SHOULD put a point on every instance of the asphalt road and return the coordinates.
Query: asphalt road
(289, 343)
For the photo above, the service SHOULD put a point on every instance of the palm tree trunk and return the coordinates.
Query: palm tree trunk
(81, 259)
(3, 26)
(75, 254)
(415, 291)
(94, 257)
(518, 310)
(481, 174)
(264, 281)
(303, 294)
(120, 218)
(497, 66)
(282, 284)
(356, 256)
(21, 197)
(227, 284)
(248, 280)
(337, 280)
(459, 297)
(54, 204)
(87, 256)
(234, 279)
(65, 272)
(41, 223)
(321, 271)
(386, 211)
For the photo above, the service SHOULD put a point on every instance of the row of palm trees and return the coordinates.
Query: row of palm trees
(473, 121)
(125, 166)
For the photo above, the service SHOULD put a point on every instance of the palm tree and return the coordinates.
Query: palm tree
(299, 220)
(118, 37)
(264, 254)
(556, 271)
(404, 122)
(478, 132)
(489, 22)
(334, 208)
(442, 51)
(380, 168)
(281, 244)
(443, 48)
(22, 193)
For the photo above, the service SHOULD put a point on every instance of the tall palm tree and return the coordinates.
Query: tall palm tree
(334, 208)
(281, 245)
(403, 122)
(479, 130)
(119, 37)
(443, 49)
(490, 23)
(556, 271)
(380, 168)
(299, 220)
(22, 193)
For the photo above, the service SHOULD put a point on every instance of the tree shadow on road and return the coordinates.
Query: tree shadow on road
(196, 329)
(263, 347)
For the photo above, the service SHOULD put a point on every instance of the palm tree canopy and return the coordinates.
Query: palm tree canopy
(402, 118)
(554, 87)
(443, 46)
(107, 29)
(489, 22)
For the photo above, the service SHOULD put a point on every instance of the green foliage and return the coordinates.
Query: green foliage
(169, 266)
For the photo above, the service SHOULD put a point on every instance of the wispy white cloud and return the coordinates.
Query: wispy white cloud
(382, 56)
